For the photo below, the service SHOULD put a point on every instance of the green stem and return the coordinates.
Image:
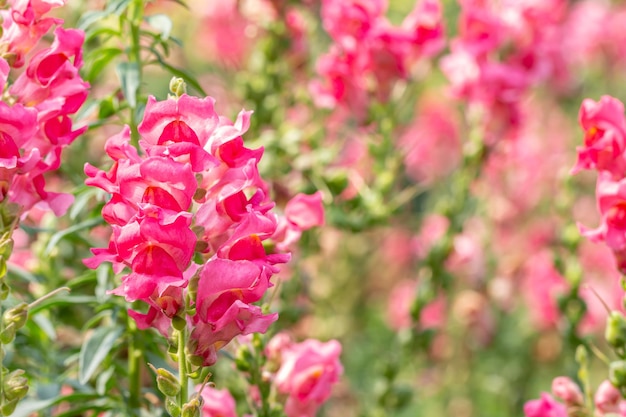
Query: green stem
(134, 368)
(135, 17)
(182, 368)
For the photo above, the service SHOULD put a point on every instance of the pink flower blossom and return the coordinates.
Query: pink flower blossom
(217, 403)
(541, 287)
(611, 198)
(45, 94)
(546, 406)
(302, 212)
(307, 374)
(567, 390)
(607, 399)
(604, 125)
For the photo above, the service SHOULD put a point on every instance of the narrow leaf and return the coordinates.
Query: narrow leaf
(129, 75)
(95, 350)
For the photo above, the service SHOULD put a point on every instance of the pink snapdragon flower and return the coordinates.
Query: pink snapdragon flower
(24, 24)
(502, 50)
(567, 390)
(45, 95)
(546, 406)
(302, 212)
(369, 54)
(307, 373)
(608, 400)
(611, 198)
(604, 125)
(542, 284)
(217, 403)
(195, 190)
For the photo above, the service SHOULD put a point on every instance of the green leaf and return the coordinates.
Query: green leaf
(98, 60)
(62, 300)
(117, 6)
(89, 18)
(104, 33)
(162, 23)
(56, 238)
(129, 75)
(95, 350)
(29, 406)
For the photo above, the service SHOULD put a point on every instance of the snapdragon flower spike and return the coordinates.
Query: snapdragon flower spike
(195, 189)
(45, 95)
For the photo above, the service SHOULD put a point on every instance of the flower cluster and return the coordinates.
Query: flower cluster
(37, 106)
(502, 49)
(369, 54)
(194, 193)
(604, 125)
(607, 401)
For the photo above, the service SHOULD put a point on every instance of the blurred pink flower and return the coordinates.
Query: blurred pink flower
(607, 399)
(567, 390)
(217, 403)
(546, 406)
(307, 374)
(431, 144)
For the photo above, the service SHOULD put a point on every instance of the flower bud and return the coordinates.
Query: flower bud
(8, 407)
(16, 315)
(567, 390)
(179, 323)
(195, 360)
(167, 383)
(615, 332)
(15, 385)
(617, 373)
(178, 87)
(607, 398)
(172, 408)
(193, 407)
(8, 334)
(4, 288)
(192, 288)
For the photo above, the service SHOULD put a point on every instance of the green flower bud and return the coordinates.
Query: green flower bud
(8, 334)
(192, 287)
(15, 385)
(8, 407)
(168, 384)
(615, 332)
(17, 315)
(617, 373)
(192, 408)
(195, 360)
(4, 288)
(172, 408)
(178, 87)
(179, 323)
